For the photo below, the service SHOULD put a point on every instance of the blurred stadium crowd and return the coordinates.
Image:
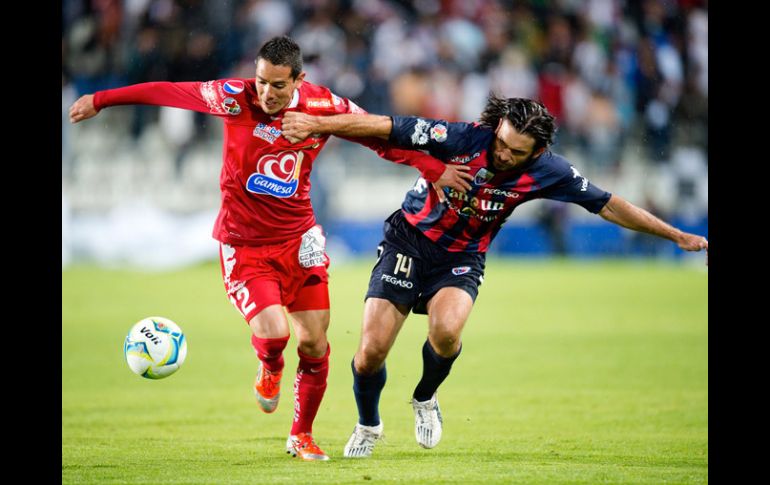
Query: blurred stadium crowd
(626, 79)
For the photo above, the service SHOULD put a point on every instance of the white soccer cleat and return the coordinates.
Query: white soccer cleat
(362, 441)
(427, 422)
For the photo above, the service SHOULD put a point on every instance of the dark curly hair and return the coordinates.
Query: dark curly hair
(526, 115)
(282, 51)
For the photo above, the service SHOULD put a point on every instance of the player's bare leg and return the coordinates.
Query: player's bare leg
(448, 311)
(270, 334)
(382, 322)
(310, 384)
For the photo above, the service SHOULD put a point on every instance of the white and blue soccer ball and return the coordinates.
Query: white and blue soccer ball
(155, 348)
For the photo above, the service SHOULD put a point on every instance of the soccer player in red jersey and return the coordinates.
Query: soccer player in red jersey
(272, 251)
(432, 257)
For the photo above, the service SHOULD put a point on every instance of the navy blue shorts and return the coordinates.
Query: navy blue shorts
(411, 268)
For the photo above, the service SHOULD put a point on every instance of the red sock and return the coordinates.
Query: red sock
(309, 388)
(270, 351)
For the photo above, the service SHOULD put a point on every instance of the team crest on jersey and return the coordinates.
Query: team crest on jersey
(483, 176)
(438, 133)
(276, 175)
(460, 270)
(233, 87)
(231, 106)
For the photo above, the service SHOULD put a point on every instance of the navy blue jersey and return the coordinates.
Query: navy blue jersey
(468, 222)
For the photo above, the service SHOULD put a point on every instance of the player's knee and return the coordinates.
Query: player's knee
(312, 345)
(370, 359)
(446, 341)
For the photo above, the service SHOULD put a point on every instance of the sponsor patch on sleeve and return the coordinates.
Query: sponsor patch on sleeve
(438, 133)
(233, 86)
(231, 106)
(584, 182)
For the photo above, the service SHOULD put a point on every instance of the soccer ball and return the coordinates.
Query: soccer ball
(155, 348)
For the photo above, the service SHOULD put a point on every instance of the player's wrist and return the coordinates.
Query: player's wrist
(322, 125)
(316, 124)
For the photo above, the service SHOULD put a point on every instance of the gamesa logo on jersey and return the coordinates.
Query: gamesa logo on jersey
(460, 270)
(276, 175)
(233, 87)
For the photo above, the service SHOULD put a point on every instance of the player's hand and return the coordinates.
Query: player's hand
(693, 242)
(455, 177)
(297, 126)
(83, 108)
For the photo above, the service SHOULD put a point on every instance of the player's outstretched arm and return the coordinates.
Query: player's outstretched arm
(297, 126)
(623, 213)
(83, 108)
(184, 95)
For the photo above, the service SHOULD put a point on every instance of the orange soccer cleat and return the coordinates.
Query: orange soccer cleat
(267, 388)
(303, 446)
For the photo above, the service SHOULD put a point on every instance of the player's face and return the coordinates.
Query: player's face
(275, 86)
(511, 148)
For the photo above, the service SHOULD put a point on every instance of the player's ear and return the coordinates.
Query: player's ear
(538, 152)
(300, 78)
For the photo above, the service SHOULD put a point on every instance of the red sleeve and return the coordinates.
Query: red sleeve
(431, 168)
(196, 96)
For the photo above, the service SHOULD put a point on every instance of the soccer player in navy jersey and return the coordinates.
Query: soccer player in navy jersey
(272, 252)
(431, 260)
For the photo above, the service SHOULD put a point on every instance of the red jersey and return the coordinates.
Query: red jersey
(265, 179)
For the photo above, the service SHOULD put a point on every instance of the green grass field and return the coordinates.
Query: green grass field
(571, 372)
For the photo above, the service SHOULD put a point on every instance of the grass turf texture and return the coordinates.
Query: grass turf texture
(571, 372)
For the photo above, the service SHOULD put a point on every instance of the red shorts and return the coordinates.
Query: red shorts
(292, 274)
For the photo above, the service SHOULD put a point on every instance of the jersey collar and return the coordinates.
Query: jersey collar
(294, 100)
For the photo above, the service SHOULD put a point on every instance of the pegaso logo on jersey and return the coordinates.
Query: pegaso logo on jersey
(576, 174)
(276, 175)
(231, 106)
